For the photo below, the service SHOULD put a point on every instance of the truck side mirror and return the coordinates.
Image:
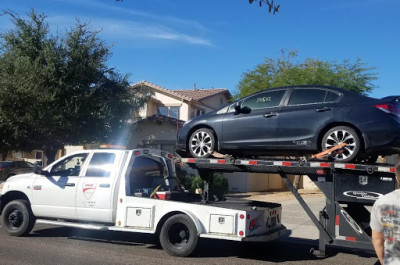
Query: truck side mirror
(37, 169)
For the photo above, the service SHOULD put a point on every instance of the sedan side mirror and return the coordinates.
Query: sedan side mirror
(239, 109)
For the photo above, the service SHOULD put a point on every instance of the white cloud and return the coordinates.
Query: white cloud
(126, 30)
(141, 25)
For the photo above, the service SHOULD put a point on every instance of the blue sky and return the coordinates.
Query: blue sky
(176, 43)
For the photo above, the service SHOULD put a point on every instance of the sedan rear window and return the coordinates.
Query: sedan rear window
(309, 96)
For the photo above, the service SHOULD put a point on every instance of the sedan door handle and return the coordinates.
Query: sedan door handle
(70, 184)
(270, 114)
(324, 109)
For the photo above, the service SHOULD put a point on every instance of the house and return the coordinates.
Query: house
(167, 110)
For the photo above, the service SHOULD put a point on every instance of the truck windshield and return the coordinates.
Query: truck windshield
(150, 173)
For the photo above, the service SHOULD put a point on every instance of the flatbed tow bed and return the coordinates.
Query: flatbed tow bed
(348, 188)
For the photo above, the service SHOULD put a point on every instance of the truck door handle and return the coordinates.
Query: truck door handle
(270, 114)
(70, 184)
(323, 109)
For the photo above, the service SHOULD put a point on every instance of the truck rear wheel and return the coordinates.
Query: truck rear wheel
(17, 218)
(178, 236)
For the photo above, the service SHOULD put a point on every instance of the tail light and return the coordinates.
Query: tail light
(390, 108)
(163, 195)
(1, 168)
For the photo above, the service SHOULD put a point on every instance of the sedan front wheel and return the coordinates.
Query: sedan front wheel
(338, 135)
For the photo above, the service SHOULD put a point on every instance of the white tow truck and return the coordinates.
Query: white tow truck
(131, 191)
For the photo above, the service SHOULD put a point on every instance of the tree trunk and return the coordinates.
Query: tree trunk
(296, 181)
(50, 153)
(4, 155)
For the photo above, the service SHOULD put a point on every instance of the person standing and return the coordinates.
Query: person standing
(385, 225)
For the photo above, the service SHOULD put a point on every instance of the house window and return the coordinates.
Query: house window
(38, 155)
(172, 112)
(199, 112)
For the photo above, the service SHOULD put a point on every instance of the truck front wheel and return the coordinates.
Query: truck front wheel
(178, 236)
(17, 218)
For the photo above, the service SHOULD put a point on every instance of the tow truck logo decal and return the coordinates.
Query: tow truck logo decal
(365, 195)
(363, 180)
(88, 189)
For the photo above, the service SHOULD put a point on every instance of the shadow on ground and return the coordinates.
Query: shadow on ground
(286, 249)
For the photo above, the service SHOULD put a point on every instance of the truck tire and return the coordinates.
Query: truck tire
(17, 218)
(178, 236)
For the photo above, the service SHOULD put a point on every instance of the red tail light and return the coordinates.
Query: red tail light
(1, 168)
(389, 108)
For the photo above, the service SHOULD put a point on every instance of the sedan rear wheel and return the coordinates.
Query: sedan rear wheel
(201, 143)
(338, 135)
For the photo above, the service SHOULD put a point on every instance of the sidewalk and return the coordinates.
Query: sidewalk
(294, 217)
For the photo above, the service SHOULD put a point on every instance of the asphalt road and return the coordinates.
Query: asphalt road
(48, 245)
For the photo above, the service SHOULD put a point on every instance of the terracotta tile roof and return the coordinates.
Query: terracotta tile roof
(162, 89)
(199, 94)
(187, 94)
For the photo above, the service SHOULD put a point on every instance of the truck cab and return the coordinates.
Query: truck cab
(132, 191)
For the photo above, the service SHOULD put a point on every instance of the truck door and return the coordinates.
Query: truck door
(54, 195)
(95, 190)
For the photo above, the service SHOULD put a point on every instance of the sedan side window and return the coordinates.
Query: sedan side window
(28, 165)
(101, 165)
(331, 97)
(307, 96)
(70, 166)
(263, 100)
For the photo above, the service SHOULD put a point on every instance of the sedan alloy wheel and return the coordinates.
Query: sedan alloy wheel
(339, 135)
(201, 143)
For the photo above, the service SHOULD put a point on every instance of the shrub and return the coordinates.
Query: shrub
(218, 186)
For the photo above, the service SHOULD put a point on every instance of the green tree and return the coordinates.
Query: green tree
(286, 71)
(58, 90)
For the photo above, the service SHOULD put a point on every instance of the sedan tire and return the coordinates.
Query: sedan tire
(201, 143)
(342, 134)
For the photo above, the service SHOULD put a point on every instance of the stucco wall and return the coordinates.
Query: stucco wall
(151, 132)
(216, 102)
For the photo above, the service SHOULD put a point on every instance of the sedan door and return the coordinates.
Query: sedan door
(307, 111)
(255, 126)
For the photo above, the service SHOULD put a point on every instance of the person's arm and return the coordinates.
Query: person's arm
(378, 242)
